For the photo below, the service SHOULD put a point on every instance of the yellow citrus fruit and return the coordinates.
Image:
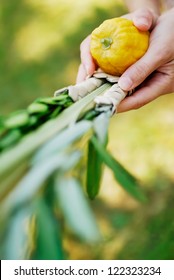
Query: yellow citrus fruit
(116, 44)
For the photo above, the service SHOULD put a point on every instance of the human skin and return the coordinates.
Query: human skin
(153, 74)
(153, 5)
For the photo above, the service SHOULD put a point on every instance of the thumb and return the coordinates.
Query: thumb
(140, 70)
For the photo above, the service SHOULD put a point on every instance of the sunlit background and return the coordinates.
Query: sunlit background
(39, 53)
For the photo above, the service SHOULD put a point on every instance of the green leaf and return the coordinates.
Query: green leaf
(124, 178)
(94, 171)
(100, 126)
(90, 115)
(56, 112)
(94, 162)
(17, 119)
(37, 108)
(63, 140)
(48, 236)
(10, 138)
(16, 243)
(76, 209)
(34, 179)
(30, 143)
(9, 182)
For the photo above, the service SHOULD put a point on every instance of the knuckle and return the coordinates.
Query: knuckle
(144, 12)
(141, 71)
(148, 13)
(163, 53)
(138, 104)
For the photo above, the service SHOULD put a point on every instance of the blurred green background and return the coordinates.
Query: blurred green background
(39, 53)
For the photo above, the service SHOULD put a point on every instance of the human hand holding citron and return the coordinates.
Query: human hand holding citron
(117, 44)
(143, 19)
(152, 75)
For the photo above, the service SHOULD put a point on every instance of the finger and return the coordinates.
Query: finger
(141, 69)
(86, 57)
(155, 87)
(81, 75)
(143, 19)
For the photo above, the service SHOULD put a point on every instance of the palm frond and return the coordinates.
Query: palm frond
(39, 153)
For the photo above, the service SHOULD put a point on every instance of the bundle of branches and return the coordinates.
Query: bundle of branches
(51, 162)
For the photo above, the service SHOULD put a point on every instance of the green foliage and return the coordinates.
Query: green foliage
(17, 124)
(48, 243)
(128, 182)
(94, 171)
(16, 241)
(94, 161)
(76, 210)
(56, 159)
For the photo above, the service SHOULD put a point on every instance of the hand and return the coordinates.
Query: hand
(153, 74)
(143, 19)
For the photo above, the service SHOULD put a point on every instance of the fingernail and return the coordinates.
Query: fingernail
(143, 22)
(125, 83)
